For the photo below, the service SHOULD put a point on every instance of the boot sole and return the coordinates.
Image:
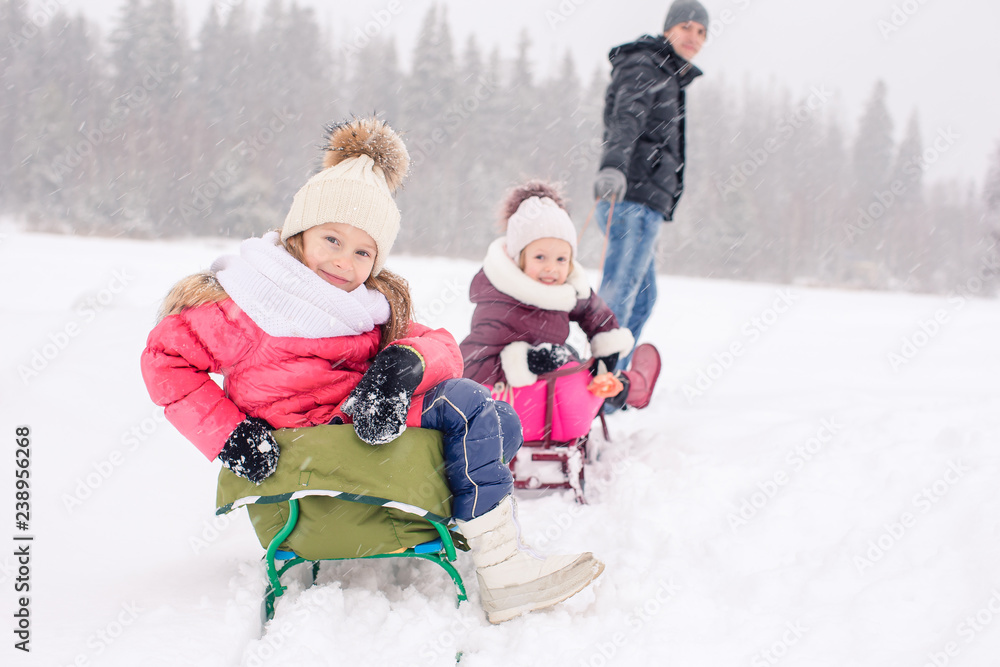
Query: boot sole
(512, 601)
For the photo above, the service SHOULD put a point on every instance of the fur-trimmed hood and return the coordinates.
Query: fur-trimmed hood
(508, 278)
(191, 292)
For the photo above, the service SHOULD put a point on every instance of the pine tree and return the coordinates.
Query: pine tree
(872, 160)
(908, 253)
(873, 146)
(561, 97)
(67, 123)
(794, 147)
(376, 81)
(210, 80)
(15, 82)
(428, 117)
(150, 59)
(475, 191)
(833, 205)
(523, 103)
(991, 187)
(908, 169)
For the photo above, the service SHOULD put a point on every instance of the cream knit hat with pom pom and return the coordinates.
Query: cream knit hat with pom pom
(365, 164)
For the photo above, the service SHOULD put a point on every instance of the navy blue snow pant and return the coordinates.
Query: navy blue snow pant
(481, 436)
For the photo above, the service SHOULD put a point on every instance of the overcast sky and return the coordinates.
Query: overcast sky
(940, 57)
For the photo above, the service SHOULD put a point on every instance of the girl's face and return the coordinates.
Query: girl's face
(547, 260)
(339, 253)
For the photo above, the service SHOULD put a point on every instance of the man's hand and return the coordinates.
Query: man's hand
(610, 184)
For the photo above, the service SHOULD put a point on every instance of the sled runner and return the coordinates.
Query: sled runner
(557, 416)
(333, 497)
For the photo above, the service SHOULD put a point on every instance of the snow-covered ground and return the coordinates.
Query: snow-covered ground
(815, 484)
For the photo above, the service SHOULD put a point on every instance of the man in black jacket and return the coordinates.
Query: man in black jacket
(642, 169)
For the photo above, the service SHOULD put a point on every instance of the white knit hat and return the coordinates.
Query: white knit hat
(538, 218)
(366, 162)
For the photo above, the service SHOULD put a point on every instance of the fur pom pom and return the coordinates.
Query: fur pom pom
(371, 137)
(518, 195)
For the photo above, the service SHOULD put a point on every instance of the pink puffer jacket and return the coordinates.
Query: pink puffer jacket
(289, 382)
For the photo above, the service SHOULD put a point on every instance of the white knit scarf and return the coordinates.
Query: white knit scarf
(285, 298)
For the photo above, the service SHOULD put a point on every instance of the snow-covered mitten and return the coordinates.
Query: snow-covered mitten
(604, 365)
(250, 450)
(381, 400)
(547, 357)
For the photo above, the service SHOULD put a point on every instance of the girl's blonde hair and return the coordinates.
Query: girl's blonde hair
(395, 289)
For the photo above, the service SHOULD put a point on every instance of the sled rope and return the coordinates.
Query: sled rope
(607, 233)
(586, 223)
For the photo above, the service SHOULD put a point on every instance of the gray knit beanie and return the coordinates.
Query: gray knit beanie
(683, 11)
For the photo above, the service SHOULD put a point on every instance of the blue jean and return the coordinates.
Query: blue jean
(481, 436)
(629, 281)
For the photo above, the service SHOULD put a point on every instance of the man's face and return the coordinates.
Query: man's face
(686, 38)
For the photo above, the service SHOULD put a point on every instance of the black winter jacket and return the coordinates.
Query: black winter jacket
(644, 120)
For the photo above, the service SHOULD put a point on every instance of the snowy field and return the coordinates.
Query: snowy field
(814, 484)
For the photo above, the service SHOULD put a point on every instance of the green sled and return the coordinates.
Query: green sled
(334, 497)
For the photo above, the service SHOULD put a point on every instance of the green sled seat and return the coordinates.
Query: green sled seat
(334, 497)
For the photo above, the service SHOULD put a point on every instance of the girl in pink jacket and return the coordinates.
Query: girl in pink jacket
(307, 328)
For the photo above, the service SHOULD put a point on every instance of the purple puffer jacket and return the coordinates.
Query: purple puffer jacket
(514, 312)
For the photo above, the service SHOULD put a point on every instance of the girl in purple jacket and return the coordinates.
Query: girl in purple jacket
(529, 290)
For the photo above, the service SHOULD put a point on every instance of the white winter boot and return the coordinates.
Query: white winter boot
(512, 578)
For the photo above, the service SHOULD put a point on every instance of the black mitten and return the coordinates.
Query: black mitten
(617, 402)
(604, 364)
(250, 451)
(381, 400)
(547, 357)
